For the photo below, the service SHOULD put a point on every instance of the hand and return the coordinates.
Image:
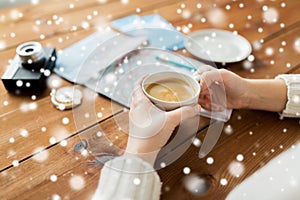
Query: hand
(222, 88)
(149, 127)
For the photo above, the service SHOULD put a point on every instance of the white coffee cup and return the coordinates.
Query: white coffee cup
(170, 90)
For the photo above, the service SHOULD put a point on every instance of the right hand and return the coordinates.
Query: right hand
(222, 89)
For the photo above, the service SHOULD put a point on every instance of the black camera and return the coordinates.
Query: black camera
(30, 67)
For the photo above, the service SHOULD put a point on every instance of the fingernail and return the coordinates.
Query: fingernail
(197, 77)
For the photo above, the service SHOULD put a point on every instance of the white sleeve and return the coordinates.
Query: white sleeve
(128, 178)
(292, 82)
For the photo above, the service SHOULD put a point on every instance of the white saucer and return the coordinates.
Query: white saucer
(218, 46)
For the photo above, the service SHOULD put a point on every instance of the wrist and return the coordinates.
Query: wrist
(250, 97)
(137, 149)
(265, 94)
(245, 101)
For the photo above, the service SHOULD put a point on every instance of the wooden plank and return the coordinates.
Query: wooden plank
(36, 172)
(43, 175)
(12, 111)
(249, 138)
(249, 133)
(108, 137)
(239, 142)
(274, 57)
(191, 16)
(104, 15)
(32, 12)
(37, 124)
(35, 176)
(91, 15)
(245, 26)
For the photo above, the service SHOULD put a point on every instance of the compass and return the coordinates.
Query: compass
(66, 98)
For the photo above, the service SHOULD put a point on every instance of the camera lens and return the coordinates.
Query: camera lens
(29, 50)
(31, 55)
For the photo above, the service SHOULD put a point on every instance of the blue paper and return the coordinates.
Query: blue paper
(160, 33)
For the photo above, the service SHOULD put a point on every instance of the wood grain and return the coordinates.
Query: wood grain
(66, 20)
(249, 138)
(41, 124)
(276, 56)
(37, 157)
(107, 138)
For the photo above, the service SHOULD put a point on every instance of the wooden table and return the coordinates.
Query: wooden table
(37, 141)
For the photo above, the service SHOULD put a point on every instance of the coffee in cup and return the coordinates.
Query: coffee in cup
(170, 90)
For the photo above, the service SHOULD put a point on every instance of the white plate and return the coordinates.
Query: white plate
(218, 46)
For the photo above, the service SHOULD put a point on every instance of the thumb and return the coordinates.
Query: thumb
(183, 113)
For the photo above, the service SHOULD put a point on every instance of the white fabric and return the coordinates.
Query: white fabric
(292, 82)
(128, 178)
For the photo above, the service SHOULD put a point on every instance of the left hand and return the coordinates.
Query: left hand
(149, 127)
